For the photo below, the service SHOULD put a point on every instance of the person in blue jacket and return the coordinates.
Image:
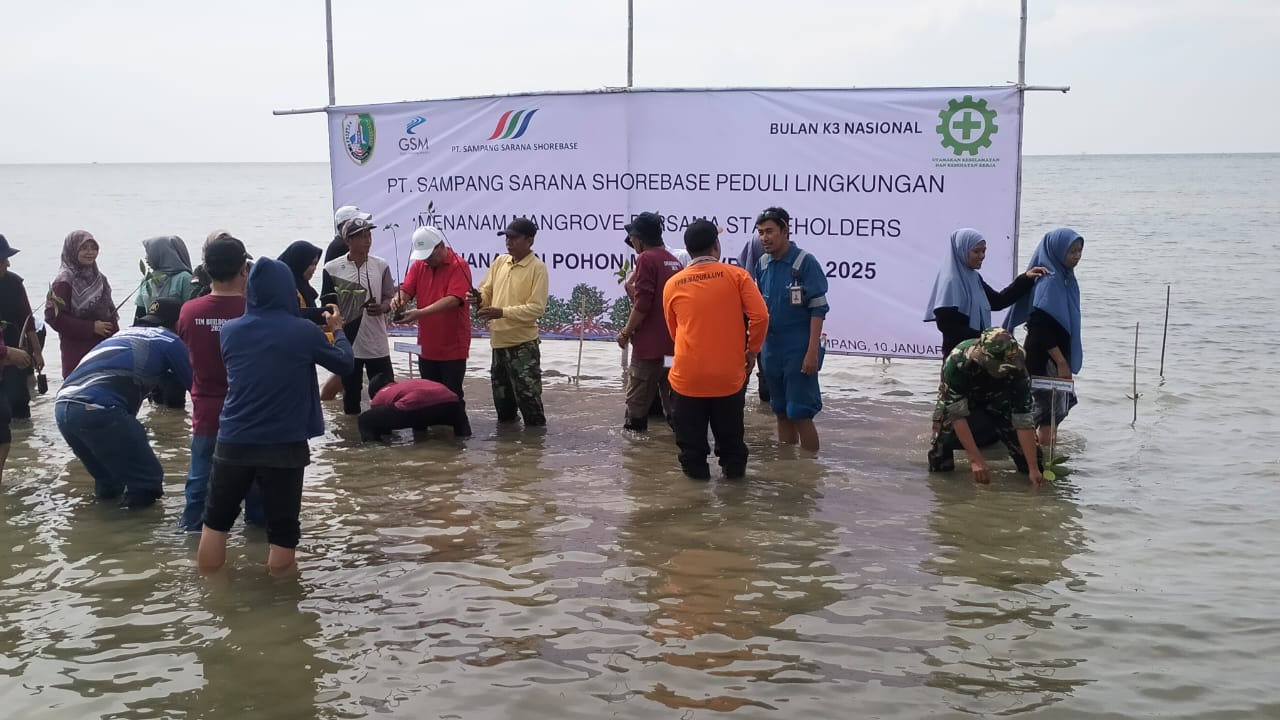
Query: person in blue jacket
(271, 411)
(795, 291)
(96, 408)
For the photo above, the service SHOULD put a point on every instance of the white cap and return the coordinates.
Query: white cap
(425, 241)
(349, 212)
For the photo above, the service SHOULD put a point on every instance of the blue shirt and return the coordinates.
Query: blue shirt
(789, 324)
(270, 354)
(121, 370)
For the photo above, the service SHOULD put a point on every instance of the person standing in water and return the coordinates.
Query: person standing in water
(1052, 314)
(364, 288)
(20, 333)
(438, 282)
(271, 411)
(200, 327)
(795, 289)
(512, 297)
(704, 306)
(79, 307)
(961, 301)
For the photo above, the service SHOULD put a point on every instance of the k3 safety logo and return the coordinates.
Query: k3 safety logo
(967, 125)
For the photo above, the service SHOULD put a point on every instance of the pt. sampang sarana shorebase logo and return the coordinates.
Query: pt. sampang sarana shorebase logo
(358, 137)
(967, 125)
(512, 124)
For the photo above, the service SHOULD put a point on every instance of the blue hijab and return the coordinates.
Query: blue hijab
(960, 286)
(1057, 294)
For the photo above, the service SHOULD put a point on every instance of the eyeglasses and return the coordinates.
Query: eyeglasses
(773, 215)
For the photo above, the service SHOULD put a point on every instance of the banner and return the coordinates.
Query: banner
(875, 182)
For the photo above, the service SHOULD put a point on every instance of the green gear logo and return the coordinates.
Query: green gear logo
(967, 125)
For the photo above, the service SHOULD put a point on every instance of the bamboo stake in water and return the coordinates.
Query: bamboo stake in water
(1168, 294)
(582, 328)
(1135, 373)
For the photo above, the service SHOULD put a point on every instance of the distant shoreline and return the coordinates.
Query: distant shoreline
(1262, 153)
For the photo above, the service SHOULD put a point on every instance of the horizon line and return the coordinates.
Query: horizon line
(326, 162)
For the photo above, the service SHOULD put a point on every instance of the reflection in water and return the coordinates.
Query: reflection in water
(566, 575)
(262, 662)
(726, 563)
(1009, 548)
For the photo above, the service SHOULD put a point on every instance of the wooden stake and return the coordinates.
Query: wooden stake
(582, 328)
(1135, 373)
(1168, 294)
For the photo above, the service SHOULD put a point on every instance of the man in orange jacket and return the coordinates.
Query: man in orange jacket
(704, 305)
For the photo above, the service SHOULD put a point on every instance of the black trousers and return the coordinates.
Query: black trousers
(377, 422)
(353, 383)
(17, 395)
(449, 373)
(281, 497)
(692, 415)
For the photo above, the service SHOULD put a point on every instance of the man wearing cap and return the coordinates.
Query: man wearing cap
(646, 328)
(96, 407)
(200, 327)
(364, 287)
(704, 306)
(795, 289)
(988, 374)
(20, 334)
(336, 249)
(513, 297)
(438, 281)
(338, 246)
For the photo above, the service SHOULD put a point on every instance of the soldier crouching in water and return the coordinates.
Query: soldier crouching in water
(989, 374)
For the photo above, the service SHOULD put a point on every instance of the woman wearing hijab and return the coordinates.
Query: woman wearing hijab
(170, 275)
(337, 248)
(79, 306)
(1052, 315)
(962, 301)
(303, 258)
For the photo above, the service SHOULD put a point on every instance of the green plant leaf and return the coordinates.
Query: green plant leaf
(1050, 475)
(142, 267)
(1060, 459)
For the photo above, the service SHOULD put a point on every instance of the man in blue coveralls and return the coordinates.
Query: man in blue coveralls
(795, 291)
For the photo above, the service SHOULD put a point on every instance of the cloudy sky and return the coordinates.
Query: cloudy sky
(156, 80)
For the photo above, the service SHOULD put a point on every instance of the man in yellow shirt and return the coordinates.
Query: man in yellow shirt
(512, 297)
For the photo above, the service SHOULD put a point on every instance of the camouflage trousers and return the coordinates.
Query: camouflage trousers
(987, 424)
(516, 376)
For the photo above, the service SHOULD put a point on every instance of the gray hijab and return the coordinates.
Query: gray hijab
(167, 255)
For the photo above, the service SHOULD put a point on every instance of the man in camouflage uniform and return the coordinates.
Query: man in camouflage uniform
(987, 374)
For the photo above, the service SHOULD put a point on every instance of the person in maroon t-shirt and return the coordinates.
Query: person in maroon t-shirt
(199, 325)
(438, 281)
(415, 404)
(646, 327)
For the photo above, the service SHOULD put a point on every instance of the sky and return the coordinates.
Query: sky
(163, 81)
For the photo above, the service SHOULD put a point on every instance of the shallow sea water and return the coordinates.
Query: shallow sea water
(574, 572)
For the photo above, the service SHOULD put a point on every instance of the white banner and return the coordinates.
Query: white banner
(875, 182)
